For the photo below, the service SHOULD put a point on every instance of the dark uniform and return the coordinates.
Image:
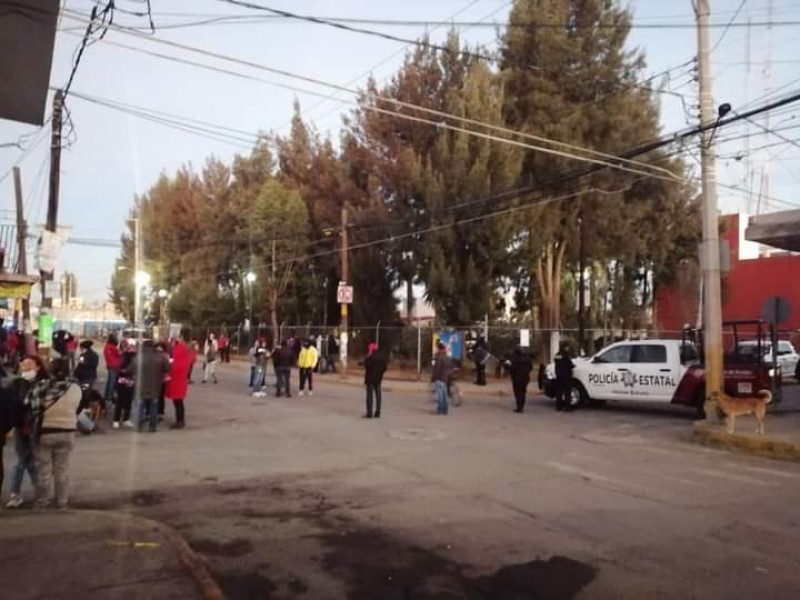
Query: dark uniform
(564, 367)
(520, 367)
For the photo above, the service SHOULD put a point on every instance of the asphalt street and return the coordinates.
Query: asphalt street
(303, 498)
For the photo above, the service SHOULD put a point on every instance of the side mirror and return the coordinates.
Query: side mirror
(596, 360)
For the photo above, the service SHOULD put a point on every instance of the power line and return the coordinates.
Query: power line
(728, 26)
(380, 99)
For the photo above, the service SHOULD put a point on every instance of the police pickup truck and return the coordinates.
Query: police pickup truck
(654, 371)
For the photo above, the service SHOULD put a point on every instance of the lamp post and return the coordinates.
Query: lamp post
(141, 280)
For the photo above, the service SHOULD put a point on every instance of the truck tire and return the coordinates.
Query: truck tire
(578, 393)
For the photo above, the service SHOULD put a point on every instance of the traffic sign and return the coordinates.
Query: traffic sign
(344, 294)
(776, 310)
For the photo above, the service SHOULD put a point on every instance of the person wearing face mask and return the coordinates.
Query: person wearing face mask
(306, 362)
(31, 371)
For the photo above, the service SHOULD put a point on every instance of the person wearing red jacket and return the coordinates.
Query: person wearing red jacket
(113, 358)
(178, 384)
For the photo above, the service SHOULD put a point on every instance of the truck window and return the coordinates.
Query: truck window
(689, 354)
(620, 354)
(649, 353)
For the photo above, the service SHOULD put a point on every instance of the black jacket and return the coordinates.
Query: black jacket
(374, 367)
(564, 367)
(520, 367)
(87, 366)
(283, 358)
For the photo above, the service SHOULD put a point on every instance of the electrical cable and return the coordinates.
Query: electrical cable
(408, 105)
(728, 27)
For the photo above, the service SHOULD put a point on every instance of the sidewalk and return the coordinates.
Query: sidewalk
(781, 439)
(91, 554)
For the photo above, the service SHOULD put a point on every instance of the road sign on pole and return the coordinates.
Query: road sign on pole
(344, 294)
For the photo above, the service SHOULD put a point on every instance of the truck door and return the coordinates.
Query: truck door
(656, 377)
(608, 373)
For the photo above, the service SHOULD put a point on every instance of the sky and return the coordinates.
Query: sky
(115, 156)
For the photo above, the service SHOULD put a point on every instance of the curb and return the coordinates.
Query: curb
(717, 437)
(189, 558)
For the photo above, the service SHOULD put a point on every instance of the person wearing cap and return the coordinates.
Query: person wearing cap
(442, 368)
(306, 362)
(86, 370)
(374, 367)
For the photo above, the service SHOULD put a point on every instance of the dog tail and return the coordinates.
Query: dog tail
(767, 395)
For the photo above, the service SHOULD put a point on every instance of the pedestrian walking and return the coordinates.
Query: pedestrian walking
(307, 362)
(520, 366)
(194, 350)
(564, 368)
(31, 371)
(283, 359)
(53, 404)
(151, 366)
(224, 348)
(332, 352)
(375, 365)
(178, 385)
(113, 359)
(260, 356)
(161, 347)
(86, 369)
(440, 374)
(210, 354)
(480, 355)
(126, 382)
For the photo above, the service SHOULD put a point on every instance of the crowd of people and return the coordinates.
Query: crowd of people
(45, 405)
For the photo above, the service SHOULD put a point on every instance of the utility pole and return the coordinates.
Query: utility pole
(55, 181)
(22, 263)
(345, 277)
(709, 251)
(581, 286)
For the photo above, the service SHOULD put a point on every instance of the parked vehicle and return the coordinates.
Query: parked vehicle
(665, 371)
(787, 358)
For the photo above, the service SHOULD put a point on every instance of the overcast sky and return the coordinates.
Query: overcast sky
(116, 156)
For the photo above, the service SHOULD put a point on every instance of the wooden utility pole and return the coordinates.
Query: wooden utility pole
(345, 277)
(709, 251)
(22, 263)
(55, 181)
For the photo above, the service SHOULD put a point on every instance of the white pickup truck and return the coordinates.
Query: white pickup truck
(658, 371)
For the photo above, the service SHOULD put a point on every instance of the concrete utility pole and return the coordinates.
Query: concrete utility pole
(709, 250)
(345, 277)
(55, 182)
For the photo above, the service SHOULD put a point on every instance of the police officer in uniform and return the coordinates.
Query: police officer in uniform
(564, 367)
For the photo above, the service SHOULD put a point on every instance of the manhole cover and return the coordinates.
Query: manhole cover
(420, 435)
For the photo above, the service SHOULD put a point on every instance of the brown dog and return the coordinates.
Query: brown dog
(734, 407)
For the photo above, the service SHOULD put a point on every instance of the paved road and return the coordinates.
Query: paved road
(301, 497)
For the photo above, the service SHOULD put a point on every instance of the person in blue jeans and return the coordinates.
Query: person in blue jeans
(31, 371)
(151, 366)
(442, 368)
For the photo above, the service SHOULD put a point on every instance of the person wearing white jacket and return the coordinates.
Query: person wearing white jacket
(210, 353)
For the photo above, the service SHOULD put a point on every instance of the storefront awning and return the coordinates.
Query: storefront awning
(779, 230)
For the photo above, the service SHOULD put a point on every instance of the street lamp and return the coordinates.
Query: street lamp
(250, 278)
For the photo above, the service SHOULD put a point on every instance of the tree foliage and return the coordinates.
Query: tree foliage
(432, 206)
